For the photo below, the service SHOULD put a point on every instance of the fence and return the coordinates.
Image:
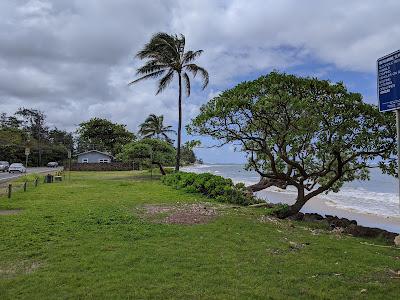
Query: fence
(113, 166)
(8, 189)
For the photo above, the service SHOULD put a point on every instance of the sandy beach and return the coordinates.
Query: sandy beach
(320, 206)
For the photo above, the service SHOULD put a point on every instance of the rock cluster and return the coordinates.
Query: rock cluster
(348, 226)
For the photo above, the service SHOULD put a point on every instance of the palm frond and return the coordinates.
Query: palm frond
(191, 55)
(165, 81)
(151, 66)
(151, 75)
(194, 69)
(187, 83)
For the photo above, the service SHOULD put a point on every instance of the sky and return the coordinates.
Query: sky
(73, 59)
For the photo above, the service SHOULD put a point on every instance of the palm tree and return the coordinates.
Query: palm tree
(153, 127)
(166, 57)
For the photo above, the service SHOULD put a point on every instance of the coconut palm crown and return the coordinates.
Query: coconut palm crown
(153, 127)
(166, 57)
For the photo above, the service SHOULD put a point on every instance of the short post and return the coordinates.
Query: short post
(9, 190)
(36, 182)
(25, 186)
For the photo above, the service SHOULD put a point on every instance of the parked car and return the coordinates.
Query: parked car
(52, 164)
(4, 165)
(17, 167)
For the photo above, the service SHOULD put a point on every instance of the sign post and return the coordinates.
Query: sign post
(69, 164)
(388, 69)
(27, 152)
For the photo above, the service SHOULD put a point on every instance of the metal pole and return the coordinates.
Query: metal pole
(69, 170)
(398, 148)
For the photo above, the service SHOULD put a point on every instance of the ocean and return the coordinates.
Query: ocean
(377, 196)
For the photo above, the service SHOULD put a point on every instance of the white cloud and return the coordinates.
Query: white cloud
(73, 59)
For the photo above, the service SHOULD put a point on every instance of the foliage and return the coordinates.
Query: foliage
(212, 186)
(89, 229)
(166, 57)
(148, 151)
(27, 128)
(103, 135)
(305, 132)
(153, 127)
(187, 155)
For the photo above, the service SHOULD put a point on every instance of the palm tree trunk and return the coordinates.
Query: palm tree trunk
(178, 150)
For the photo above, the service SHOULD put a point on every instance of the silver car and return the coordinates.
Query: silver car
(17, 167)
(4, 166)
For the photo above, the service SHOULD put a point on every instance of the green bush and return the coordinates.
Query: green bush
(212, 186)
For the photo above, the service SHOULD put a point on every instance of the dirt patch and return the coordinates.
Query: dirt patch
(7, 212)
(18, 268)
(187, 214)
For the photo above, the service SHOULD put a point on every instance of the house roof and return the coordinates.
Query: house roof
(105, 153)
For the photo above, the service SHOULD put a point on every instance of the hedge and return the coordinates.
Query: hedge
(212, 186)
(113, 166)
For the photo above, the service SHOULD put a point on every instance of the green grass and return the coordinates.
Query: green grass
(84, 239)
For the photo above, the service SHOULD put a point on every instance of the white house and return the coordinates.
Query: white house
(94, 156)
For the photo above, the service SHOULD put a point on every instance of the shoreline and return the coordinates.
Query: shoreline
(318, 205)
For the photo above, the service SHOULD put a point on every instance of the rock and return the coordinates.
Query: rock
(361, 231)
(397, 241)
(339, 222)
(312, 217)
(295, 246)
(296, 217)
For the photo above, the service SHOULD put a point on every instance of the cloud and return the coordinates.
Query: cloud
(73, 59)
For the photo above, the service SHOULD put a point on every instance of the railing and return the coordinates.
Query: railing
(9, 189)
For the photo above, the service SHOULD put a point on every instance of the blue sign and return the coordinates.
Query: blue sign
(388, 68)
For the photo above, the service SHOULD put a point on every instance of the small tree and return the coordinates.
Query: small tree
(301, 132)
(149, 151)
(153, 127)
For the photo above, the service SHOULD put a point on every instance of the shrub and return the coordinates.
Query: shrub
(212, 186)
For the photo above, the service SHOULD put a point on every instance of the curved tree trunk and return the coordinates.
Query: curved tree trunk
(297, 206)
(294, 208)
(178, 149)
(161, 168)
(266, 183)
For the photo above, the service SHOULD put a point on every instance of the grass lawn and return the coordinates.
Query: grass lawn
(87, 239)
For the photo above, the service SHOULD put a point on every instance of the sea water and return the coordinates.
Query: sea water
(376, 196)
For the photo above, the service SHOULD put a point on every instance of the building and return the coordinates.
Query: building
(94, 156)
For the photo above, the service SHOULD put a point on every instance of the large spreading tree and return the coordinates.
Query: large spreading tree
(103, 135)
(166, 57)
(301, 132)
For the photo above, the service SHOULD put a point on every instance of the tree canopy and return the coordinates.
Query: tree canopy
(28, 128)
(149, 151)
(302, 132)
(153, 127)
(103, 135)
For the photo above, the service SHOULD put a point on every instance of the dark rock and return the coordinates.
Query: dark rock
(312, 217)
(296, 217)
(339, 222)
(361, 231)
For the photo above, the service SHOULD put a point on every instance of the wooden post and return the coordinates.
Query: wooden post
(25, 186)
(36, 182)
(9, 190)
